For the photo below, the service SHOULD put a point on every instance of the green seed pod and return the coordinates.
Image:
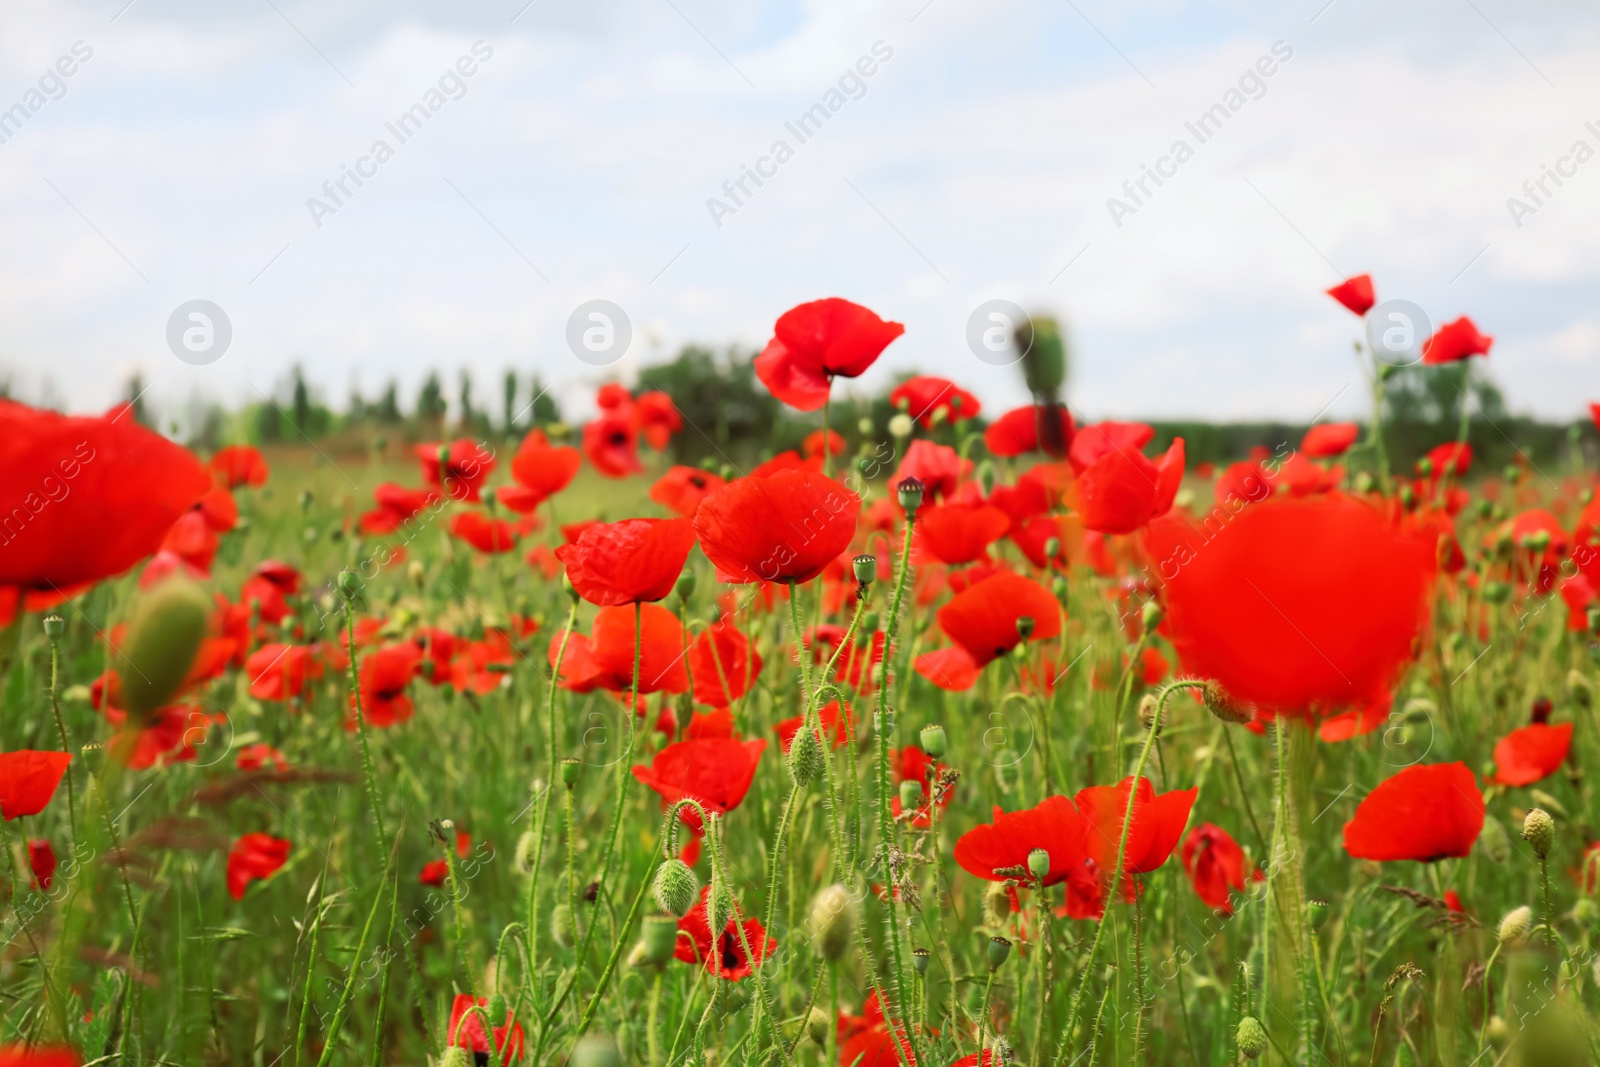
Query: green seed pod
(1539, 830)
(1151, 615)
(832, 919)
(1515, 926)
(933, 740)
(1039, 864)
(910, 794)
(1317, 912)
(804, 760)
(1224, 705)
(685, 586)
(999, 948)
(1026, 627)
(996, 904)
(919, 960)
(561, 925)
(676, 887)
(909, 492)
(1052, 548)
(866, 568)
(1251, 1037)
(596, 1050)
(571, 767)
(456, 1056)
(1059, 587)
(659, 937)
(817, 1026)
(54, 626)
(164, 633)
(349, 584)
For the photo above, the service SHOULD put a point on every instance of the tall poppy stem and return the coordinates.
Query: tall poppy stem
(361, 721)
(544, 797)
(61, 728)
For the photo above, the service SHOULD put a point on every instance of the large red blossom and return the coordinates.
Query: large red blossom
(1035, 428)
(280, 672)
(1100, 439)
(998, 850)
(237, 465)
(1355, 293)
(723, 955)
(786, 527)
(385, 675)
(959, 533)
(87, 498)
(928, 400)
(1328, 439)
(982, 621)
(716, 771)
(254, 856)
(725, 664)
(544, 468)
(1531, 753)
(870, 1040)
(39, 1056)
(1122, 491)
(657, 417)
(661, 667)
(460, 473)
(1426, 812)
(28, 779)
(681, 489)
(397, 505)
(1216, 866)
(626, 562)
(816, 342)
(939, 468)
(1297, 601)
(1456, 341)
(611, 442)
(1157, 826)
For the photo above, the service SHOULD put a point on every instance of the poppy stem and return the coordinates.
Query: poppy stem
(544, 796)
(61, 728)
(361, 721)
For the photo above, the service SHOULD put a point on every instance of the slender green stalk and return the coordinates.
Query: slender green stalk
(544, 796)
(61, 729)
(373, 797)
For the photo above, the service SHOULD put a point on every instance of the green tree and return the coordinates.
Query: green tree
(430, 401)
(724, 407)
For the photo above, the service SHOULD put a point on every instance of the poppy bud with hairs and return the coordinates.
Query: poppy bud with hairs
(164, 634)
(832, 919)
(676, 887)
(1251, 1038)
(1539, 830)
(1224, 705)
(805, 756)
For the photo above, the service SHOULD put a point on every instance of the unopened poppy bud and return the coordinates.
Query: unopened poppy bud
(986, 477)
(570, 768)
(527, 845)
(1539, 830)
(1594, 620)
(999, 949)
(1052, 548)
(804, 760)
(561, 925)
(1025, 627)
(659, 935)
(1251, 1037)
(1585, 911)
(1515, 926)
(1497, 1031)
(1039, 864)
(1151, 615)
(900, 425)
(919, 960)
(910, 794)
(676, 887)
(306, 499)
(638, 957)
(1510, 472)
(164, 634)
(866, 568)
(497, 1010)
(1425, 466)
(832, 919)
(864, 426)
(1579, 689)
(1224, 705)
(909, 493)
(933, 740)
(1149, 708)
(1537, 541)
(1408, 496)
(1364, 482)
(456, 1056)
(349, 584)
(870, 623)
(1496, 592)
(596, 1050)
(1059, 587)
(996, 904)
(941, 415)
(719, 906)
(54, 626)
(816, 1026)
(685, 586)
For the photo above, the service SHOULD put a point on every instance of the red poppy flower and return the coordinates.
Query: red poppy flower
(172, 737)
(1329, 439)
(785, 527)
(1355, 293)
(1033, 537)
(657, 417)
(1594, 413)
(237, 465)
(466, 1031)
(681, 489)
(1158, 822)
(1019, 431)
(1358, 722)
(385, 674)
(816, 440)
(1122, 491)
(611, 441)
(939, 468)
(661, 657)
(1216, 866)
(464, 468)
(396, 506)
(1243, 482)
(1028, 499)
(280, 672)
(42, 862)
(929, 400)
(814, 343)
(481, 667)
(997, 851)
(1532, 753)
(28, 779)
(833, 721)
(268, 589)
(1456, 341)
(483, 533)
(869, 1040)
(254, 856)
(982, 621)
(627, 562)
(723, 955)
(93, 496)
(787, 460)
(38, 1056)
(255, 757)
(1295, 602)
(188, 549)
(1100, 439)
(1426, 812)
(1451, 458)
(1301, 477)
(725, 664)
(959, 533)
(716, 771)
(544, 468)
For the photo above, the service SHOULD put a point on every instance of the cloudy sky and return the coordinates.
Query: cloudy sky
(579, 159)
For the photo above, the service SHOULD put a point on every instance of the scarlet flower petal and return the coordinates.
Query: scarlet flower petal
(815, 342)
(28, 779)
(1426, 812)
(1328, 439)
(785, 527)
(1455, 341)
(1355, 293)
(1531, 753)
(625, 562)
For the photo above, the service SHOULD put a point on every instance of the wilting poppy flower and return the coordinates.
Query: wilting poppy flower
(38, 1056)
(661, 643)
(1426, 812)
(817, 440)
(466, 1031)
(657, 417)
(1044, 428)
(681, 489)
(814, 343)
(1531, 753)
(869, 1040)
(724, 663)
(396, 506)
(982, 621)
(627, 562)
(237, 465)
(928, 400)
(482, 532)
(724, 954)
(1355, 293)
(1100, 439)
(1456, 341)
(716, 771)
(28, 779)
(782, 528)
(1157, 826)
(460, 473)
(385, 674)
(259, 755)
(254, 856)
(1215, 865)
(93, 495)
(1122, 491)
(939, 468)
(832, 721)
(42, 862)
(280, 672)
(1328, 439)
(959, 533)
(1297, 601)
(611, 441)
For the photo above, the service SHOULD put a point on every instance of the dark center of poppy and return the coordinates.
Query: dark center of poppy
(728, 947)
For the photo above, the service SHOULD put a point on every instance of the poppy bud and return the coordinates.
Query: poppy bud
(1539, 830)
(164, 633)
(596, 1050)
(832, 919)
(1058, 586)
(1493, 841)
(1039, 864)
(1151, 615)
(527, 844)
(864, 426)
(933, 740)
(1052, 548)
(910, 794)
(417, 573)
(920, 957)
(349, 584)
(561, 925)
(570, 766)
(999, 949)
(1585, 911)
(1364, 482)
(986, 476)
(909, 493)
(1496, 592)
(676, 887)
(1510, 472)
(1025, 627)
(900, 425)
(1515, 926)
(1579, 689)
(497, 1010)
(660, 937)
(456, 1056)
(1224, 705)
(685, 586)
(941, 415)
(719, 906)
(306, 499)
(1149, 708)
(1407, 496)
(1425, 466)
(996, 904)
(1594, 620)
(805, 757)
(54, 626)
(866, 568)
(870, 623)
(817, 1026)
(1251, 1037)
(1537, 541)
(1497, 1031)
(727, 473)
(638, 956)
